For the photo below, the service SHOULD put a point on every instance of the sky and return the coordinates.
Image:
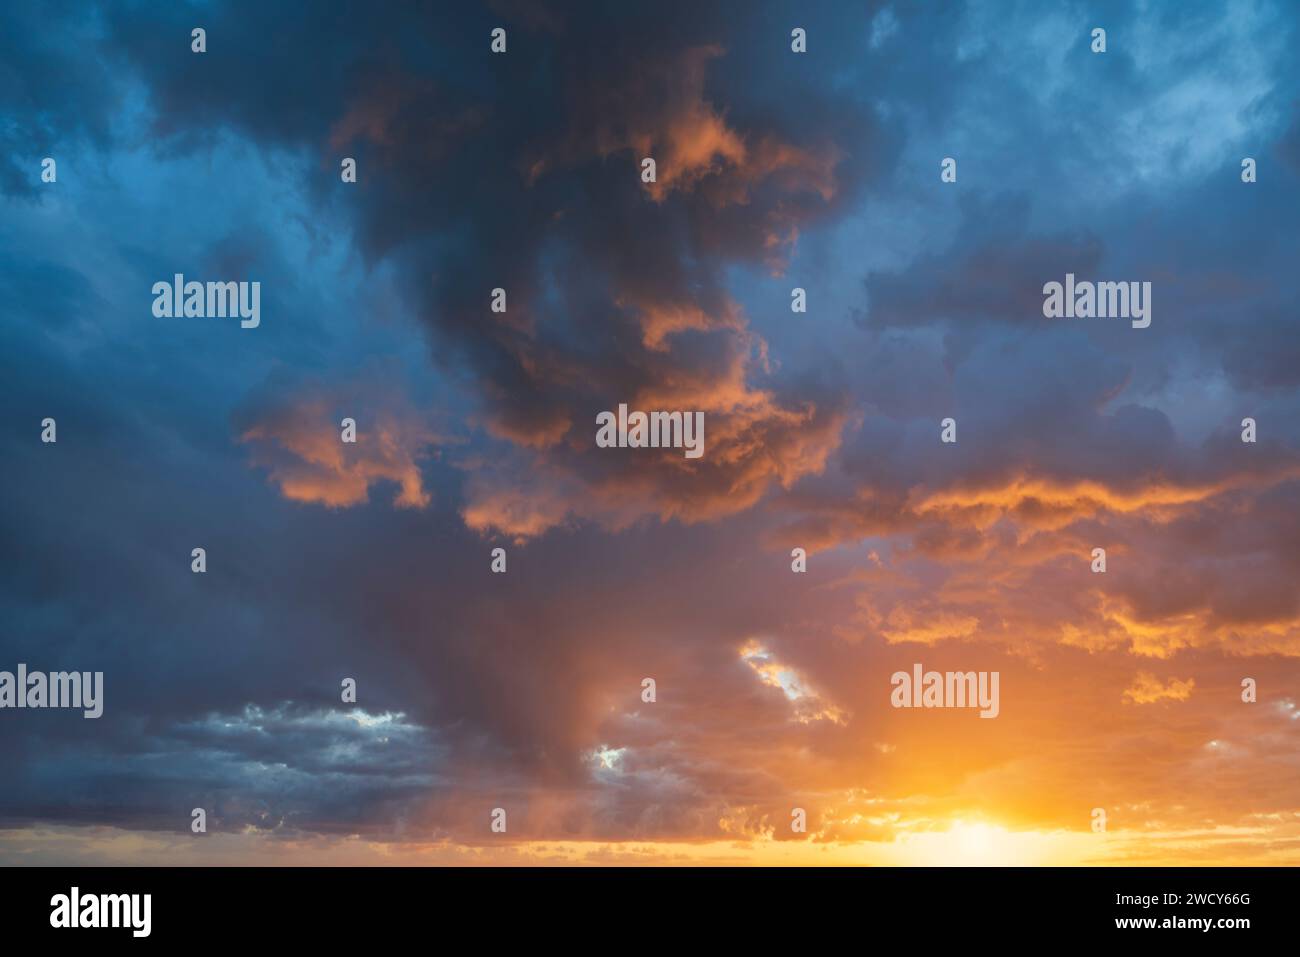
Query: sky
(522, 691)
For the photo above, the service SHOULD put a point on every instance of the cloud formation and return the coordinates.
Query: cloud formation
(476, 430)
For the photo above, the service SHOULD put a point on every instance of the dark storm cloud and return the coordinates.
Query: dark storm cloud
(521, 172)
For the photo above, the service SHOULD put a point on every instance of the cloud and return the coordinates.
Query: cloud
(299, 442)
(1147, 689)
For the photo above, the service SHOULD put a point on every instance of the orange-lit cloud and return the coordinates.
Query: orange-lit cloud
(692, 143)
(1147, 688)
(301, 448)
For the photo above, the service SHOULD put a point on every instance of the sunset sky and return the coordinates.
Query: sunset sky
(476, 430)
